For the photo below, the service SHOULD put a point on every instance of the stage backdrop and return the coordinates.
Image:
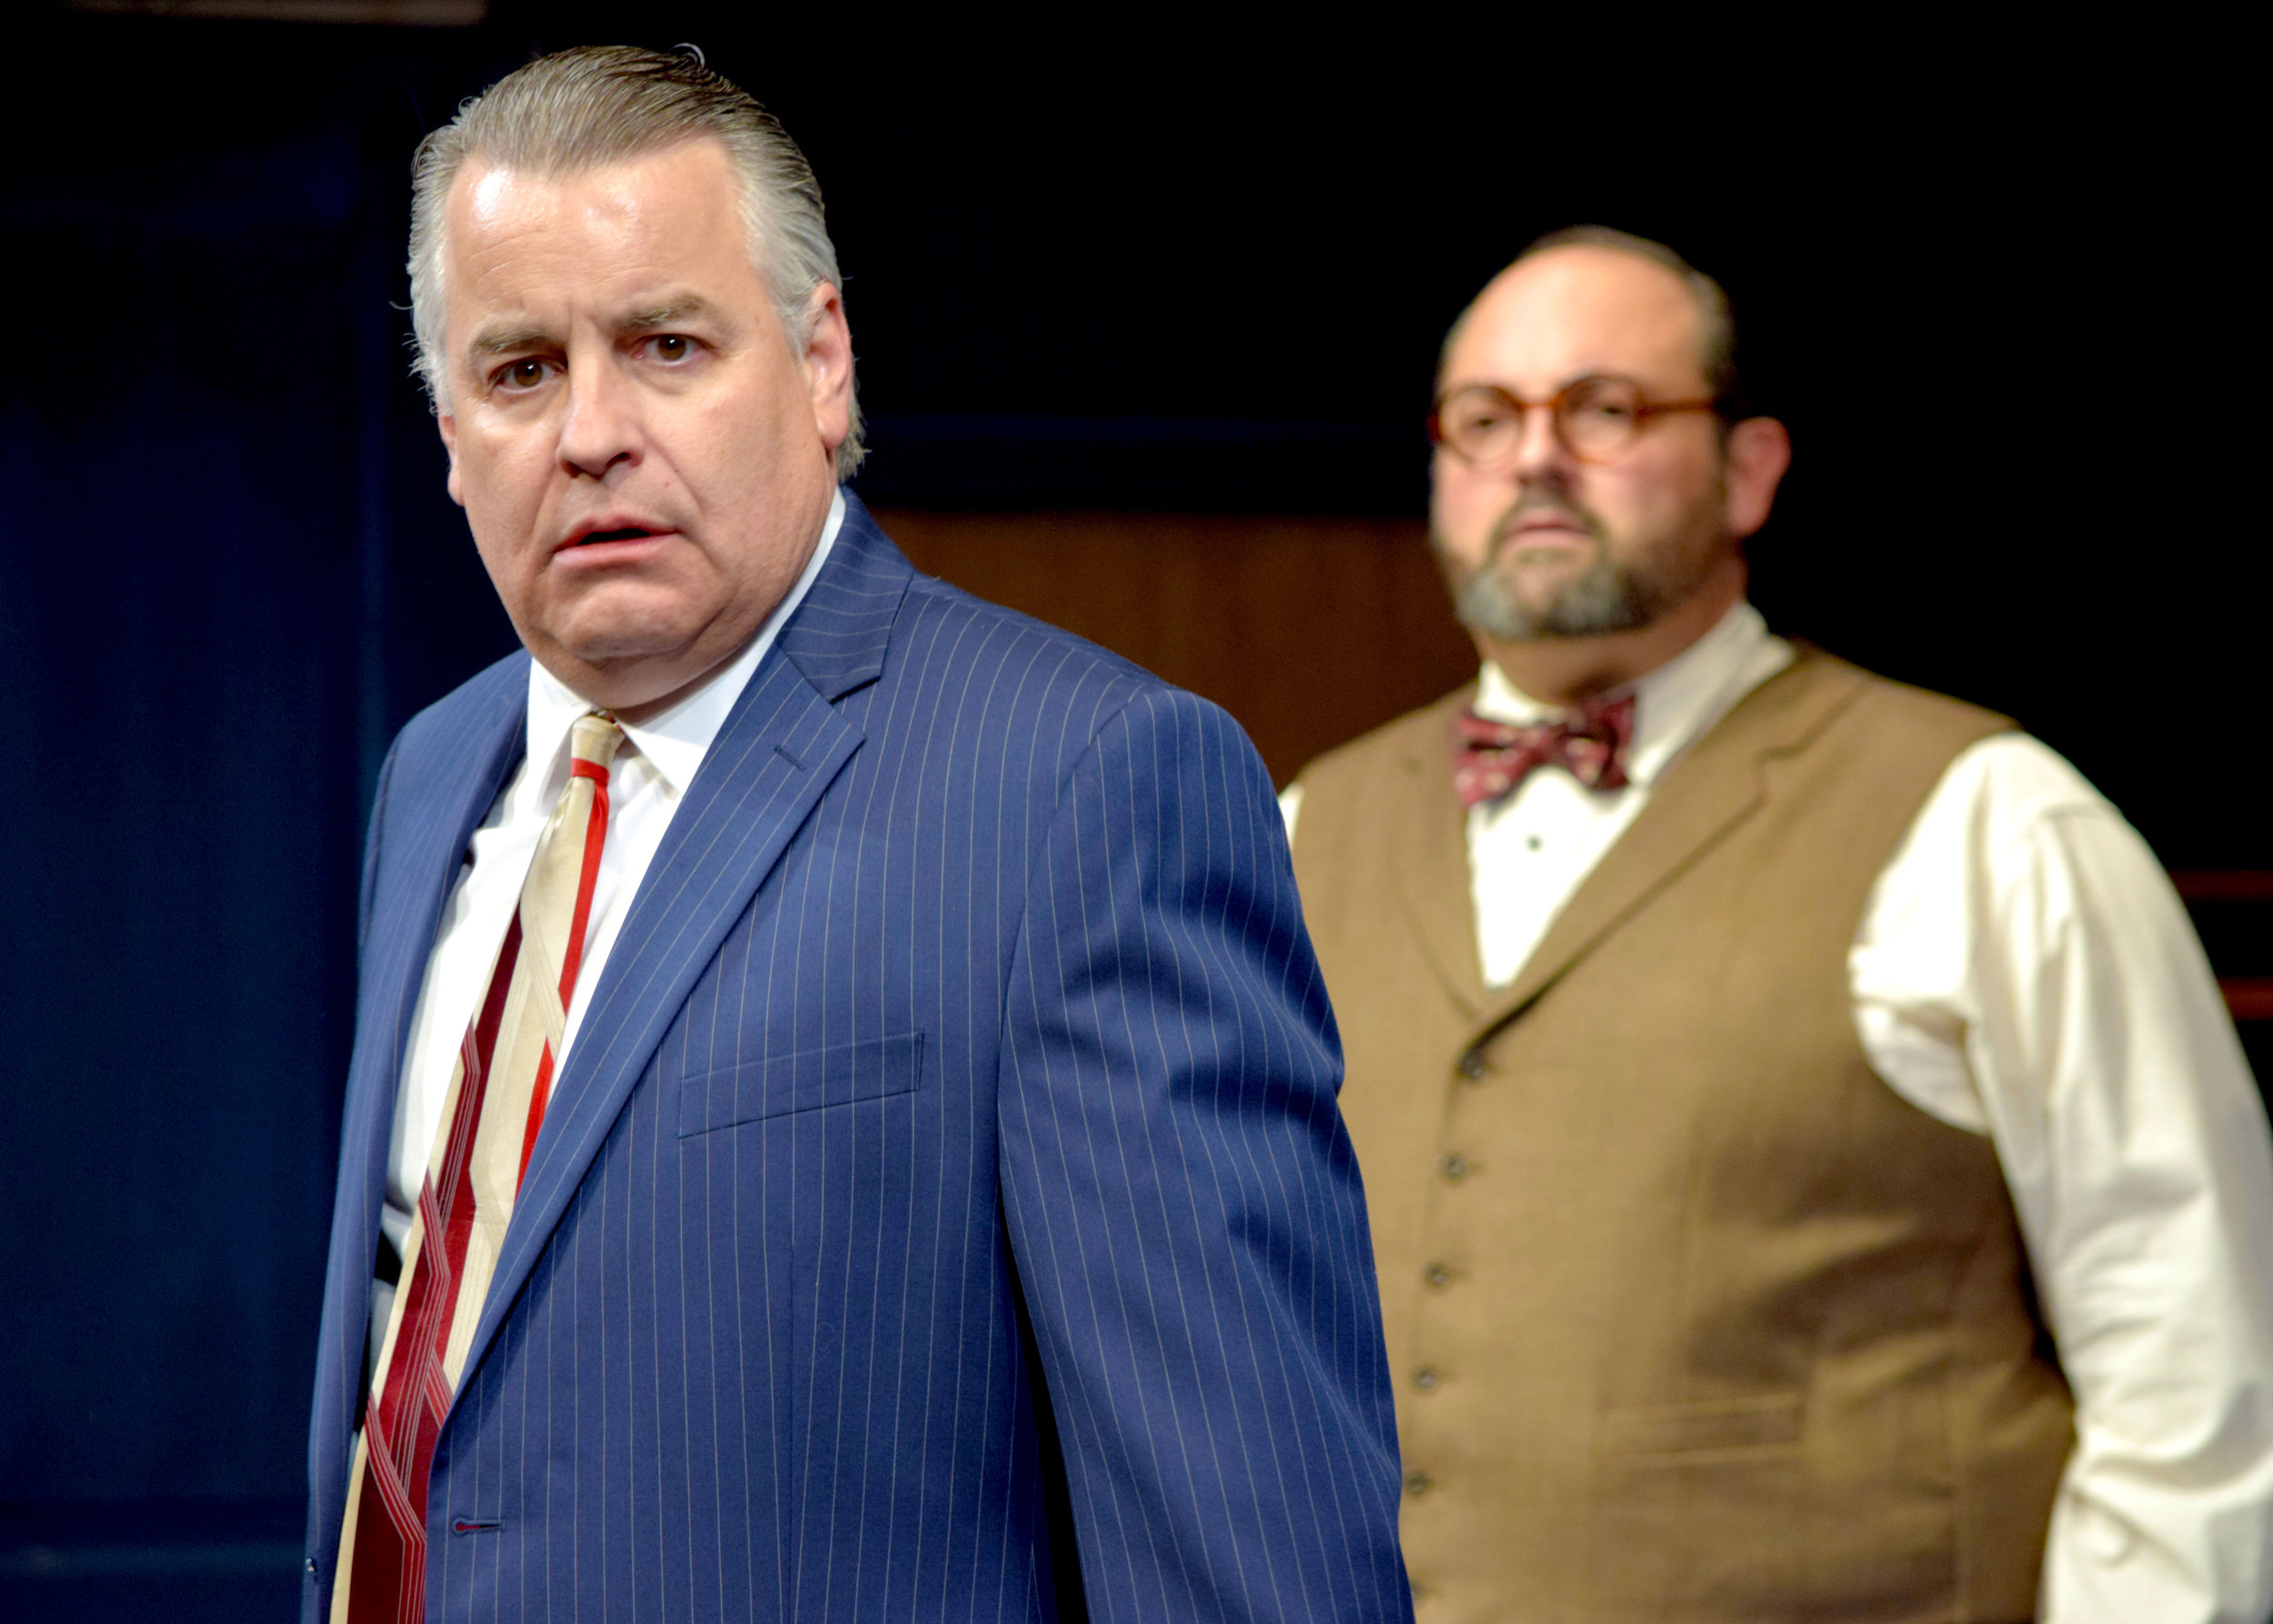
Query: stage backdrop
(1147, 354)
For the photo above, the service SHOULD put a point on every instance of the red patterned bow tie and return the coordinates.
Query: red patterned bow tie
(1490, 758)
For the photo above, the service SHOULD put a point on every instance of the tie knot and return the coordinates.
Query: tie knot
(595, 739)
(1490, 758)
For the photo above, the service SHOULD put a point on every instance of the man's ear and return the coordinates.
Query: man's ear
(827, 361)
(448, 426)
(1759, 451)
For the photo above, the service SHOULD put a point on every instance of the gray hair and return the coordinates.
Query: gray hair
(598, 104)
(1715, 321)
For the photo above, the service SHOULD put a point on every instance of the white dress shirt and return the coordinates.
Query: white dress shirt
(649, 777)
(2024, 970)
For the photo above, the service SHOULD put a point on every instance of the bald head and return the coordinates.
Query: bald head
(1716, 332)
(1577, 310)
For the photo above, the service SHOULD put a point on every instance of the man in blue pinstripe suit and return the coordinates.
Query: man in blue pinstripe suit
(940, 1209)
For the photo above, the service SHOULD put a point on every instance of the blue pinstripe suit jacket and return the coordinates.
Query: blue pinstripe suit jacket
(945, 1212)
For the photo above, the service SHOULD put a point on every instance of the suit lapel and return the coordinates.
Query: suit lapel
(1713, 787)
(417, 881)
(780, 748)
(431, 812)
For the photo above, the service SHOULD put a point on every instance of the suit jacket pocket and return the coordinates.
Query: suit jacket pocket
(752, 1090)
(1722, 1429)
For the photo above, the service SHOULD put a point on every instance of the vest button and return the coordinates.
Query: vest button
(1456, 1169)
(1474, 1066)
(1417, 1484)
(1427, 1377)
(1436, 1274)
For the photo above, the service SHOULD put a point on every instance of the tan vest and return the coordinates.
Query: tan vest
(1692, 1317)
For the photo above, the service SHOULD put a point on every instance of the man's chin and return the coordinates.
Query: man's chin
(622, 667)
(1585, 603)
(625, 622)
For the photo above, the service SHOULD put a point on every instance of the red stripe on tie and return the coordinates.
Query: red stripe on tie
(594, 837)
(572, 958)
(539, 1094)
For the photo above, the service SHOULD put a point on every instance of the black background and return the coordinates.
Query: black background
(1996, 287)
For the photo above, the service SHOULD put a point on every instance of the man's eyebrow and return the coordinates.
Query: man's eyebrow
(507, 341)
(669, 311)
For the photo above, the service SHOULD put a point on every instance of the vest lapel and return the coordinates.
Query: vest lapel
(1433, 868)
(1718, 783)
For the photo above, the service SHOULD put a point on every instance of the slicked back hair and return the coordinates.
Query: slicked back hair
(601, 105)
(1715, 321)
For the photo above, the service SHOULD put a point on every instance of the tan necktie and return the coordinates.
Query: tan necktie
(489, 1125)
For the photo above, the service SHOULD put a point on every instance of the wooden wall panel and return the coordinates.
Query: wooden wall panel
(1309, 631)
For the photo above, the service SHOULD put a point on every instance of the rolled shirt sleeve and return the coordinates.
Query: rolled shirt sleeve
(2023, 969)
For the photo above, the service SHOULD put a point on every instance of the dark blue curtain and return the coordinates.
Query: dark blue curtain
(221, 494)
(183, 631)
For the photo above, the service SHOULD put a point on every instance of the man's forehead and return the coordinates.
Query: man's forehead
(678, 200)
(620, 240)
(1578, 309)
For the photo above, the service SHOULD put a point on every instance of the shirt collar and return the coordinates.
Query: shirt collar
(1674, 704)
(674, 740)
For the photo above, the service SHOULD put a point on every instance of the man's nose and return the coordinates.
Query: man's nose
(601, 427)
(1540, 455)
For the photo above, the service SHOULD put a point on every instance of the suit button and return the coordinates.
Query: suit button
(311, 1567)
(1427, 1377)
(1455, 1167)
(1436, 1274)
(1417, 1484)
(1474, 1067)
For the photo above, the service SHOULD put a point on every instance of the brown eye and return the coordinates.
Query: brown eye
(1607, 400)
(526, 374)
(671, 347)
(1479, 423)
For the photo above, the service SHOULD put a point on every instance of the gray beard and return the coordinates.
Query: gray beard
(1608, 596)
(1603, 599)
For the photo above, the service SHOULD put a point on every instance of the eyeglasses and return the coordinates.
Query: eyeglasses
(1594, 418)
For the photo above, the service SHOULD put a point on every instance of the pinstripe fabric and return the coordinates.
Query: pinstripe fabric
(947, 1184)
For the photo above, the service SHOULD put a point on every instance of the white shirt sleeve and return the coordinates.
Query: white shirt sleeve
(2025, 969)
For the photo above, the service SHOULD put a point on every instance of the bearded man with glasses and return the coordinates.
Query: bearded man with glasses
(1812, 1173)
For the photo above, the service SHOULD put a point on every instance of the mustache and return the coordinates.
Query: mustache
(1541, 501)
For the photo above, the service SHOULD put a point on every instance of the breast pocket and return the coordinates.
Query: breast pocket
(778, 1085)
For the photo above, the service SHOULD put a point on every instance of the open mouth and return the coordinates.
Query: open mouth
(630, 533)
